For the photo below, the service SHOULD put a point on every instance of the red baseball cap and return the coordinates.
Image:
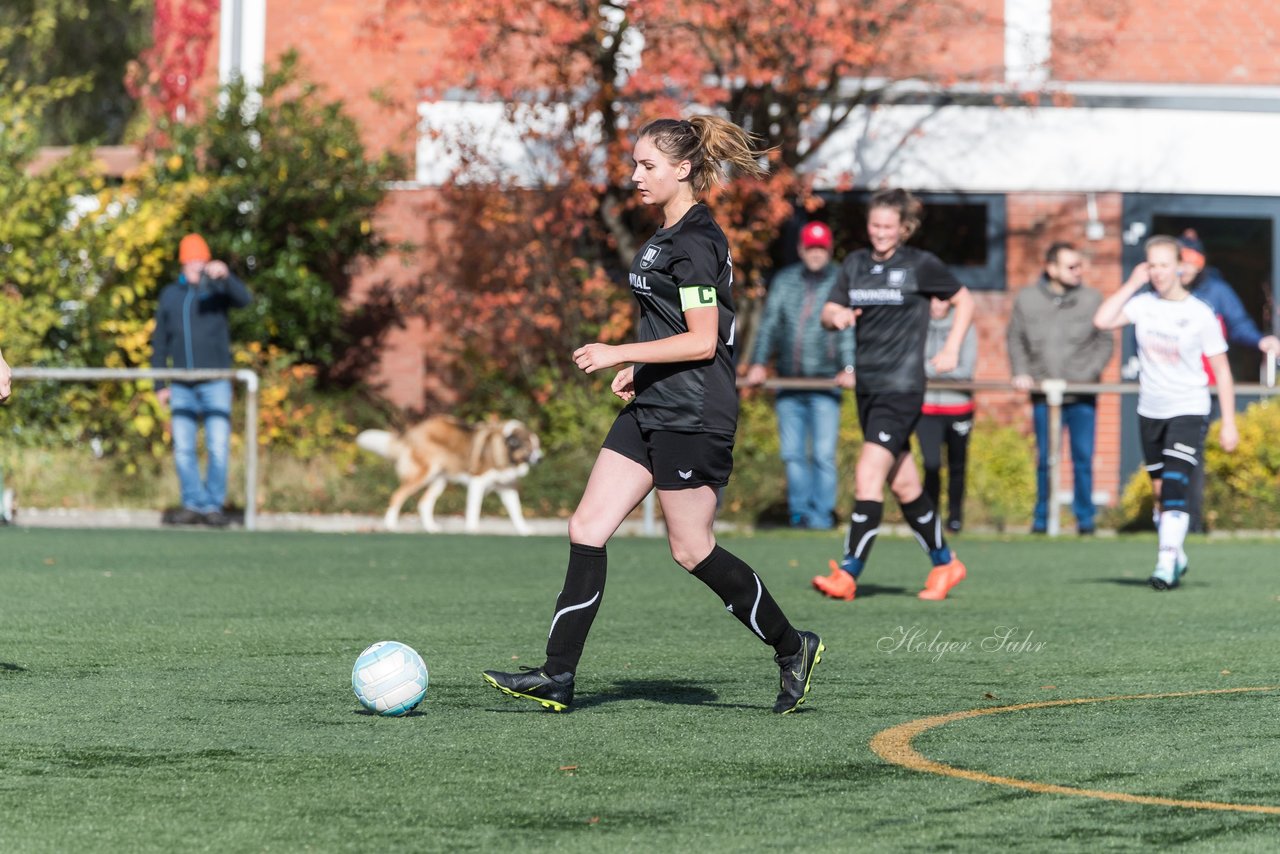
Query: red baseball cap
(815, 234)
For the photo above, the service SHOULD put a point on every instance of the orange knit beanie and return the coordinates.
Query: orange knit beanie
(193, 248)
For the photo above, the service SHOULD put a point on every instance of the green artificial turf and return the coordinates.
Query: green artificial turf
(171, 690)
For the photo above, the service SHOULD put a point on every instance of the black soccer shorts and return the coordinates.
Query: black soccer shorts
(676, 460)
(889, 418)
(1181, 436)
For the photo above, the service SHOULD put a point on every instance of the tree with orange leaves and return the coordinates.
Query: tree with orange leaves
(536, 227)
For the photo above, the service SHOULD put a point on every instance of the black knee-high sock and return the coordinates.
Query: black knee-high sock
(864, 524)
(576, 608)
(922, 516)
(746, 597)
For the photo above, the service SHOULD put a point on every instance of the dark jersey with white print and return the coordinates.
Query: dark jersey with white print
(893, 328)
(681, 267)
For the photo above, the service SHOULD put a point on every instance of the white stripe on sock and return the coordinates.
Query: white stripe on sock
(759, 595)
(564, 611)
(863, 542)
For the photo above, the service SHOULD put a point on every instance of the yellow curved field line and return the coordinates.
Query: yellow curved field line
(894, 745)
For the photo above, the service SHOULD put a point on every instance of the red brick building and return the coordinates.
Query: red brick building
(1159, 114)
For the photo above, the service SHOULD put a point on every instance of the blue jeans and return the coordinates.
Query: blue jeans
(191, 404)
(808, 427)
(1079, 419)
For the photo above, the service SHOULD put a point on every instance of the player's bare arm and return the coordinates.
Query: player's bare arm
(623, 384)
(1110, 315)
(696, 345)
(1227, 433)
(838, 317)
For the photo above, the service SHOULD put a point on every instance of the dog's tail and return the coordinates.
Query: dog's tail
(380, 442)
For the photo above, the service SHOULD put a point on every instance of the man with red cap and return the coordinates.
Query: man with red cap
(808, 420)
(192, 332)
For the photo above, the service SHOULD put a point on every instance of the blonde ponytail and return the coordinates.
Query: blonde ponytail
(709, 143)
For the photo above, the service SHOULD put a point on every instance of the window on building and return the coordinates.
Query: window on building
(966, 231)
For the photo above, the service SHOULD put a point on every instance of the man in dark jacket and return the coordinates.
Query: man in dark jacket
(1207, 285)
(192, 332)
(808, 420)
(1052, 336)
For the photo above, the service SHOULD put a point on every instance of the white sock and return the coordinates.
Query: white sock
(1173, 533)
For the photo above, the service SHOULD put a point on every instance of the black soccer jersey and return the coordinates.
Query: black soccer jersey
(686, 266)
(893, 327)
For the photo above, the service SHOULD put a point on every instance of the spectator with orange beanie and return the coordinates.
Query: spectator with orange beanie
(192, 332)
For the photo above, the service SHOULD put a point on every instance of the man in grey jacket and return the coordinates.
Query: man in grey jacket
(1052, 336)
(808, 419)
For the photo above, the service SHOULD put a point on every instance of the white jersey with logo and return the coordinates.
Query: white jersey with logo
(1172, 336)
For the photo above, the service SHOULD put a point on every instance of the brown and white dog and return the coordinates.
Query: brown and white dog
(488, 457)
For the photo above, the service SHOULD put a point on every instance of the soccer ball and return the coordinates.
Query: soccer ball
(389, 678)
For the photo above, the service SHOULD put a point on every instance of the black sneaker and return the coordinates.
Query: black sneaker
(533, 683)
(216, 519)
(182, 516)
(796, 670)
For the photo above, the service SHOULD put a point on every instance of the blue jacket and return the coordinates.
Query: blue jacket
(792, 327)
(1210, 288)
(191, 323)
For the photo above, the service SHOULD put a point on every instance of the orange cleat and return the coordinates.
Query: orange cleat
(942, 579)
(838, 585)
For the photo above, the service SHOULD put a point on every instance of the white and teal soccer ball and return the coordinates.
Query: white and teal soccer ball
(389, 678)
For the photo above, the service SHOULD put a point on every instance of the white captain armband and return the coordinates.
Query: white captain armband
(697, 296)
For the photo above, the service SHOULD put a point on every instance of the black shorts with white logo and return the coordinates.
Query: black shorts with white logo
(889, 418)
(676, 460)
(1181, 436)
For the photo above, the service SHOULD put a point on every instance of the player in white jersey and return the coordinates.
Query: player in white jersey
(1175, 332)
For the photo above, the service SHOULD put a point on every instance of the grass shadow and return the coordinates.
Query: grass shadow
(666, 691)
(368, 714)
(1121, 582)
(12, 668)
(865, 590)
(671, 692)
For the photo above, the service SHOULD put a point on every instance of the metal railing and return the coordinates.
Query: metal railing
(1053, 390)
(249, 378)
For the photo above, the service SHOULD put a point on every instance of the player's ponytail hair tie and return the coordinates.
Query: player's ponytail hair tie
(709, 143)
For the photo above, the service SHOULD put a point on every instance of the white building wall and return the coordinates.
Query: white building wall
(242, 40)
(1050, 149)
